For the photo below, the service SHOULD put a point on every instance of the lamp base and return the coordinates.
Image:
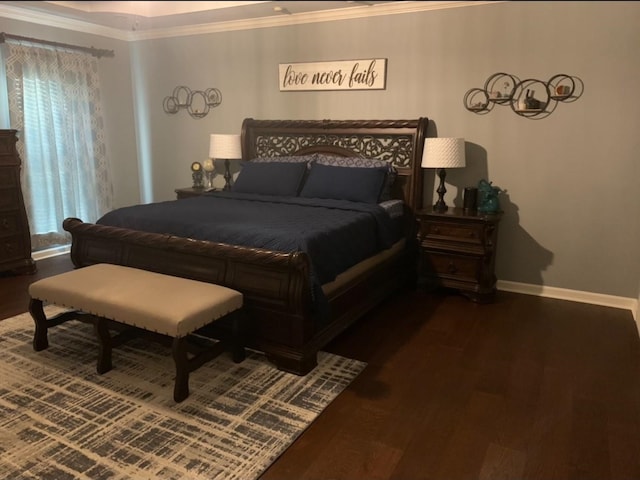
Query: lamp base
(209, 176)
(440, 206)
(227, 176)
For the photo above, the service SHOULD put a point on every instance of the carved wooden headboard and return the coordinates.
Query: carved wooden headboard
(399, 142)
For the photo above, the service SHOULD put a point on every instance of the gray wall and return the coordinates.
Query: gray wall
(572, 214)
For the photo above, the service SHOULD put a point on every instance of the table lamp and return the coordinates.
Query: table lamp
(442, 153)
(225, 147)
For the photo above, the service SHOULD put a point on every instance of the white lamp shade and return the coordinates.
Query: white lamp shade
(443, 153)
(225, 146)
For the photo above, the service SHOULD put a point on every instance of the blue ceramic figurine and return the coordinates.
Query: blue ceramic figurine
(488, 197)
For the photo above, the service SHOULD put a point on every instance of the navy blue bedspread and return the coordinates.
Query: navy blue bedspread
(335, 234)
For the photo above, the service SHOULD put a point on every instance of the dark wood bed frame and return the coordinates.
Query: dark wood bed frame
(276, 285)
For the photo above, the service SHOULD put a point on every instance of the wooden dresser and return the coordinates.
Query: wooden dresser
(458, 250)
(15, 238)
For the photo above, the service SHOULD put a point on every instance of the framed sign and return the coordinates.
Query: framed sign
(368, 74)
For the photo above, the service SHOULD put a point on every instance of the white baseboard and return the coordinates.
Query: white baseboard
(51, 252)
(573, 295)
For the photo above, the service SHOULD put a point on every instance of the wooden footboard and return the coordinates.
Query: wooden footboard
(275, 285)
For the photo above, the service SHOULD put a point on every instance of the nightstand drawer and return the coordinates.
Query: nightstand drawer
(458, 251)
(453, 266)
(452, 232)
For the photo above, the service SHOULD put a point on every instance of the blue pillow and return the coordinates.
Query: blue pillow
(363, 162)
(270, 178)
(344, 183)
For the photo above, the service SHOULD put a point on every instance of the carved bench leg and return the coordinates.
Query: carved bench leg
(179, 350)
(40, 340)
(104, 345)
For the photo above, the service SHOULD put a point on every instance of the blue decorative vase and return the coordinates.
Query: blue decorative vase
(488, 201)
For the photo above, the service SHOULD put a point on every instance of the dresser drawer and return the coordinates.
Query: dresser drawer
(10, 224)
(11, 248)
(9, 198)
(15, 240)
(471, 233)
(446, 265)
(8, 177)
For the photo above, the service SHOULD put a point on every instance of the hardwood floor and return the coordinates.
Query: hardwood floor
(524, 388)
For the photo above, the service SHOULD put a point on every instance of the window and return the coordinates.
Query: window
(54, 103)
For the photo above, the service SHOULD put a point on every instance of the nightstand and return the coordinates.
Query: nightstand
(458, 250)
(189, 192)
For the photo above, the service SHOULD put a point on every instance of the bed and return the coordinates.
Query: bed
(296, 299)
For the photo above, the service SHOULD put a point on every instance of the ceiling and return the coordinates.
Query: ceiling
(143, 15)
(140, 19)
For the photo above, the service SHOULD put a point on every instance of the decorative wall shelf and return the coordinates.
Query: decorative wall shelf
(196, 102)
(530, 98)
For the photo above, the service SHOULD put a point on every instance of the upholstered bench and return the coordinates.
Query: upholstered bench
(113, 296)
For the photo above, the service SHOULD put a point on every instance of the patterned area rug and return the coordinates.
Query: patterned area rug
(60, 420)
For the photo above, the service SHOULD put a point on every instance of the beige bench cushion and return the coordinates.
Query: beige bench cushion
(160, 303)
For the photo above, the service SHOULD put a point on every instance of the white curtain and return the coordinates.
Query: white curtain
(54, 103)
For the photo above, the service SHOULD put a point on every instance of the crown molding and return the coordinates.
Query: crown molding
(24, 15)
(377, 10)
(394, 8)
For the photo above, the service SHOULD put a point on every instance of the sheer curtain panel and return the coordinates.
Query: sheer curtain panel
(54, 103)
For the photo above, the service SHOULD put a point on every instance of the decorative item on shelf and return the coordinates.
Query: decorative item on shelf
(196, 174)
(209, 172)
(227, 147)
(531, 98)
(489, 202)
(442, 153)
(532, 103)
(498, 89)
(196, 102)
(564, 88)
(522, 95)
